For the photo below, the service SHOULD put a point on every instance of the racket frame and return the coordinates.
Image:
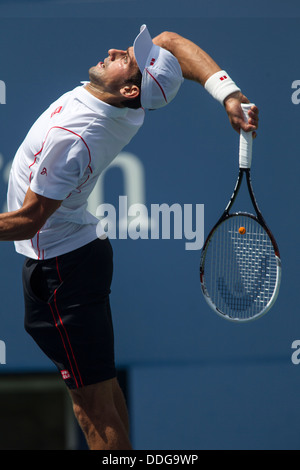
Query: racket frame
(258, 218)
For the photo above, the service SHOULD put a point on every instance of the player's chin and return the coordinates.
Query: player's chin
(94, 69)
(94, 73)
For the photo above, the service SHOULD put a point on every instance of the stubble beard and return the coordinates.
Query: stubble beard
(94, 76)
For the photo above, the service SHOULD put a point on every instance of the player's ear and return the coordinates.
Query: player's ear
(130, 91)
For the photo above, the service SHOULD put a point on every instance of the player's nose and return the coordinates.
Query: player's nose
(115, 53)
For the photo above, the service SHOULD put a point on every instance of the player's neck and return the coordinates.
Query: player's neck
(103, 95)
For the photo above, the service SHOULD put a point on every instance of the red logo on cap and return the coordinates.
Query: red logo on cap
(152, 61)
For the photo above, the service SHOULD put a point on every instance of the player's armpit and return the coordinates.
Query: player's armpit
(24, 223)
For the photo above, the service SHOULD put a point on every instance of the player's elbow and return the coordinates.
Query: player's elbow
(166, 40)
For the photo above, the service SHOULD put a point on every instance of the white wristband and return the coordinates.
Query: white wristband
(220, 85)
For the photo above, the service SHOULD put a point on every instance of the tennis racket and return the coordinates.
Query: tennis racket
(240, 267)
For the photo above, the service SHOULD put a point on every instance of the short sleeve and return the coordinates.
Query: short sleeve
(60, 165)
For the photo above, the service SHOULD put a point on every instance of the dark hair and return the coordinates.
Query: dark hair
(135, 79)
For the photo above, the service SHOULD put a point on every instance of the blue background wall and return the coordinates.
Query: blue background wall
(196, 381)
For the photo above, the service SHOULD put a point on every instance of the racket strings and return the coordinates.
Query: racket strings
(240, 268)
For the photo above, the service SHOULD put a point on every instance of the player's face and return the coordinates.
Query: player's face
(114, 70)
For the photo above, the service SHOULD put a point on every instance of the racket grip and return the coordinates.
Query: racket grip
(246, 140)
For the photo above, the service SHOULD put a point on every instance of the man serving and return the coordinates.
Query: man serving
(68, 264)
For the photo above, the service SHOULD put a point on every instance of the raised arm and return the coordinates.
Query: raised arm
(198, 66)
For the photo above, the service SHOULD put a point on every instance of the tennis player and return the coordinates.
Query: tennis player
(68, 267)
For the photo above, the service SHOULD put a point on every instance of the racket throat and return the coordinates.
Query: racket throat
(234, 194)
(236, 190)
(252, 197)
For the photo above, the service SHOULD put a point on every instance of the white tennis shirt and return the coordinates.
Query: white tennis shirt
(61, 158)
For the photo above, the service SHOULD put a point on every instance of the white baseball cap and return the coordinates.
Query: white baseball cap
(162, 75)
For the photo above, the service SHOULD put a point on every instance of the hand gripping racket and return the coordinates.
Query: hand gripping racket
(240, 268)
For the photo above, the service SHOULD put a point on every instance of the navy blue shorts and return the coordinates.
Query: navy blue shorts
(67, 312)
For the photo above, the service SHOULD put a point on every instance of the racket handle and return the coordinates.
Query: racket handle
(246, 140)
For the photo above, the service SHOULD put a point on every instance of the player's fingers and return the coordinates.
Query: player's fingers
(248, 126)
(253, 116)
(252, 123)
(238, 121)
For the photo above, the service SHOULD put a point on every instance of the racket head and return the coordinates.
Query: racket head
(240, 268)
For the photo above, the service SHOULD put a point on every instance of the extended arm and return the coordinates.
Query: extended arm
(198, 66)
(195, 63)
(24, 223)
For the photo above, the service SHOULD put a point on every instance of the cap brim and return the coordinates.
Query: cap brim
(142, 47)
